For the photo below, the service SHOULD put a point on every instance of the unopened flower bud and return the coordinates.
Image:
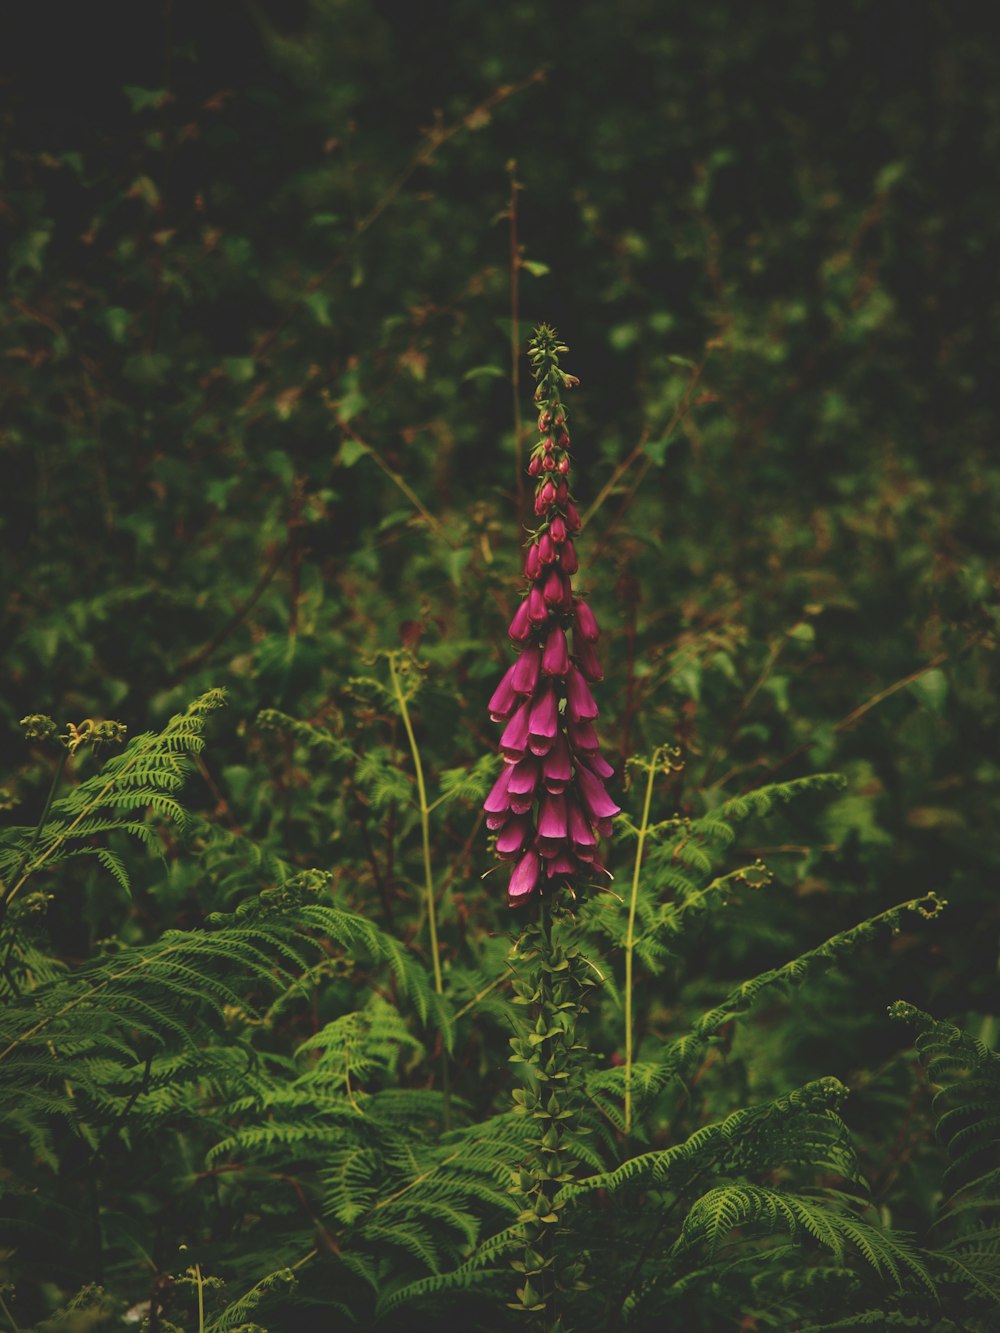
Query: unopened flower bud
(548, 463)
(532, 562)
(535, 465)
(572, 517)
(563, 466)
(568, 562)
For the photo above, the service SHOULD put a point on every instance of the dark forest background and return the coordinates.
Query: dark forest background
(257, 425)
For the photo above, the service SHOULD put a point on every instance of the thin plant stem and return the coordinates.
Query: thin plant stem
(201, 1298)
(425, 828)
(515, 342)
(10, 1318)
(630, 938)
(16, 880)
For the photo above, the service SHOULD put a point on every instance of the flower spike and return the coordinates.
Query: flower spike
(550, 806)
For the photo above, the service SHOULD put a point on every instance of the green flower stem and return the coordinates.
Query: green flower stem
(630, 937)
(425, 827)
(553, 978)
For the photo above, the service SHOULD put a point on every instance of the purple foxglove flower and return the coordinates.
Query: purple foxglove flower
(604, 827)
(562, 494)
(493, 822)
(553, 587)
(580, 705)
(546, 549)
(526, 669)
(515, 834)
(535, 466)
(543, 722)
(532, 564)
(563, 864)
(585, 622)
(557, 766)
(524, 878)
(555, 660)
(580, 833)
(504, 698)
(544, 498)
(498, 802)
(552, 818)
(568, 562)
(583, 737)
(586, 657)
(520, 626)
(557, 528)
(514, 740)
(598, 764)
(572, 517)
(596, 800)
(537, 610)
(524, 778)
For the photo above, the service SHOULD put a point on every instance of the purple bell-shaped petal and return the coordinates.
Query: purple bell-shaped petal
(557, 528)
(504, 698)
(596, 800)
(498, 802)
(555, 660)
(586, 657)
(596, 762)
(585, 621)
(516, 833)
(546, 549)
(543, 722)
(537, 609)
(557, 766)
(583, 737)
(580, 705)
(532, 564)
(520, 626)
(568, 561)
(553, 588)
(514, 740)
(552, 818)
(524, 677)
(524, 878)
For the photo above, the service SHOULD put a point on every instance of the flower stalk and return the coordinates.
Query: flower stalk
(549, 808)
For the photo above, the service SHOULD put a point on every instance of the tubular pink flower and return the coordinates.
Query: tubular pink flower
(543, 721)
(596, 800)
(520, 626)
(585, 622)
(532, 562)
(557, 529)
(555, 659)
(504, 699)
(553, 589)
(552, 818)
(582, 736)
(524, 878)
(498, 801)
(515, 834)
(563, 864)
(580, 705)
(525, 671)
(537, 610)
(596, 762)
(524, 778)
(546, 549)
(586, 658)
(568, 562)
(514, 740)
(557, 766)
(572, 517)
(581, 834)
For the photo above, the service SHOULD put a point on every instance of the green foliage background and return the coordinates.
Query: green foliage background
(257, 429)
